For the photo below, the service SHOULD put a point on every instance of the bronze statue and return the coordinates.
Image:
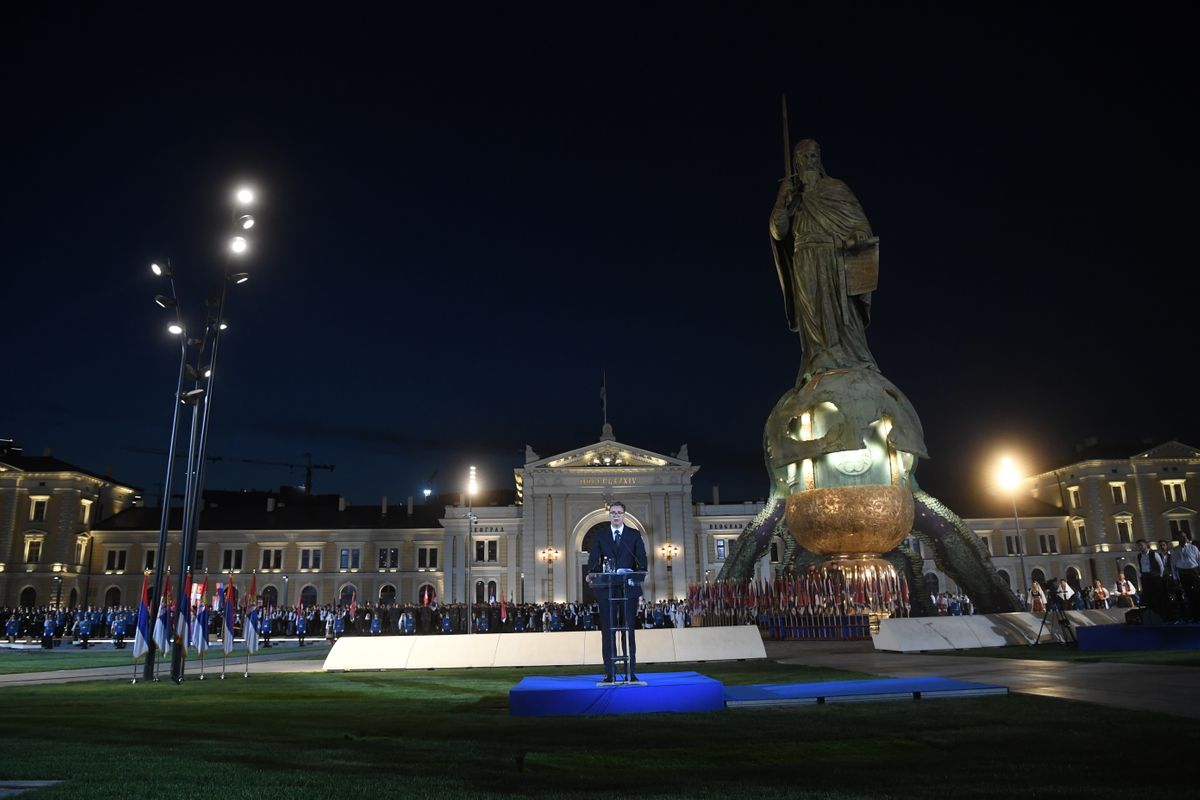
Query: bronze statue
(827, 261)
(842, 445)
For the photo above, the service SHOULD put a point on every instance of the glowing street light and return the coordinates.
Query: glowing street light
(1008, 476)
(245, 195)
(175, 328)
(238, 244)
(245, 222)
(472, 490)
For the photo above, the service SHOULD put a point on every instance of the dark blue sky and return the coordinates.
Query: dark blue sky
(466, 218)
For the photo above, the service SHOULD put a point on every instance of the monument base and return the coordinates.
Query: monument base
(982, 630)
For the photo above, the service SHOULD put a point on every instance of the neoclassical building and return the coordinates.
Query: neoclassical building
(528, 542)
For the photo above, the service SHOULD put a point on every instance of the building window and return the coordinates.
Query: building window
(1073, 493)
(37, 508)
(85, 511)
(1118, 493)
(1179, 527)
(1080, 532)
(389, 558)
(33, 549)
(987, 544)
(81, 543)
(427, 558)
(774, 552)
(349, 558)
(1012, 545)
(114, 561)
(1049, 543)
(272, 558)
(720, 549)
(150, 560)
(488, 550)
(198, 564)
(1174, 491)
(1125, 530)
(310, 558)
(231, 559)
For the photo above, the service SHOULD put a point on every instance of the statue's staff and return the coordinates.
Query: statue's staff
(787, 142)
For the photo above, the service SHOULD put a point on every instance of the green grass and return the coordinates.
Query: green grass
(1061, 652)
(447, 733)
(67, 657)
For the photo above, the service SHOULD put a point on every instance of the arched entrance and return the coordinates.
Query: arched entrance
(1039, 576)
(28, 597)
(426, 595)
(349, 592)
(270, 597)
(308, 596)
(74, 597)
(387, 594)
(1074, 578)
(931, 584)
(112, 597)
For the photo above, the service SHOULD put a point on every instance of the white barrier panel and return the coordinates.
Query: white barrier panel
(568, 648)
(907, 635)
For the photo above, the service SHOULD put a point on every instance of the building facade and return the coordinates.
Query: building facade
(528, 544)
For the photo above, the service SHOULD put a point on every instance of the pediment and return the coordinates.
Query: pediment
(1170, 449)
(608, 454)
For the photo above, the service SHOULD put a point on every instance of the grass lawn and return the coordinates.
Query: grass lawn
(1061, 652)
(66, 657)
(448, 734)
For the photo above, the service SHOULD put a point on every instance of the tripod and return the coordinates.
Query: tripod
(1064, 624)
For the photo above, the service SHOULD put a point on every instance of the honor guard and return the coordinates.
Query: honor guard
(119, 624)
(376, 625)
(48, 632)
(85, 630)
(301, 627)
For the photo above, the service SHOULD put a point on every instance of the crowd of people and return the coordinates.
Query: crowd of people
(86, 626)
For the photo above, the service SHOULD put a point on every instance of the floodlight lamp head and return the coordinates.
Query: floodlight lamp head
(175, 328)
(238, 245)
(246, 221)
(164, 301)
(192, 397)
(161, 270)
(240, 277)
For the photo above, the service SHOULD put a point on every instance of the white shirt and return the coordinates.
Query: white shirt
(1186, 557)
(617, 532)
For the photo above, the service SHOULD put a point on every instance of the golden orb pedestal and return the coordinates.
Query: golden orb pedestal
(853, 525)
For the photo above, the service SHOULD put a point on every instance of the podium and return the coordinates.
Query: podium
(611, 588)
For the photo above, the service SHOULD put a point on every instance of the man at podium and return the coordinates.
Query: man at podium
(620, 549)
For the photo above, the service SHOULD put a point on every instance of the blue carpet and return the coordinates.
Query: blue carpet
(575, 695)
(1138, 637)
(850, 691)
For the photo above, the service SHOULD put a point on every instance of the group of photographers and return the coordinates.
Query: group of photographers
(1169, 578)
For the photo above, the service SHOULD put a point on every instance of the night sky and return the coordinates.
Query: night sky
(467, 219)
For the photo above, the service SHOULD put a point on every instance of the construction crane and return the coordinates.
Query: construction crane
(308, 464)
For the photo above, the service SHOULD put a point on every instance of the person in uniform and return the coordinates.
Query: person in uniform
(48, 632)
(85, 630)
(118, 630)
(301, 627)
(12, 627)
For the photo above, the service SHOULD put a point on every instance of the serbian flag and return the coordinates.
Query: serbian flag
(227, 611)
(353, 604)
(503, 610)
(141, 634)
(183, 620)
(200, 627)
(162, 625)
(250, 625)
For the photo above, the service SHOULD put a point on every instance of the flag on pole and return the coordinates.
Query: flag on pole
(353, 604)
(503, 610)
(250, 625)
(227, 611)
(183, 631)
(250, 629)
(200, 626)
(162, 625)
(141, 635)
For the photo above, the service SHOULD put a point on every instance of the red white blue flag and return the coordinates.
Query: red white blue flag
(141, 634)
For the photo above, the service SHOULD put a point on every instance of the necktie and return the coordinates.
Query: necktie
(617, 537)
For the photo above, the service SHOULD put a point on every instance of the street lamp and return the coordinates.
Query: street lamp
(58, 581)
(472, 488)
(549, 555)
(522, 588)
(1009, 478)
(199, 397)
(669, 551)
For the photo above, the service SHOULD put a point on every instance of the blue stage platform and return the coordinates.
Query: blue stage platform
(689, 692)
(576, 695)
(787, 694)
(1138, 637)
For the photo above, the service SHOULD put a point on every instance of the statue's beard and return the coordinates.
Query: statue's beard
(809, 177)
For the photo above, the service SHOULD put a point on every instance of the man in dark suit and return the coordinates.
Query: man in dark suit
(624, 549)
